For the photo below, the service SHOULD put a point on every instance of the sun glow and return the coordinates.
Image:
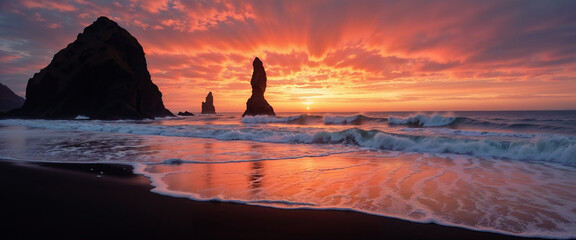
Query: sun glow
(307, 104)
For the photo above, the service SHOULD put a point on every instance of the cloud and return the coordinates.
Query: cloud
(60, 6)
(424, 53)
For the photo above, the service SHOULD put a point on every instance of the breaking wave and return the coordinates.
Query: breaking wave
(524, 147)
(421, 120)
(546, 148)
(352, 120)
(357, 119)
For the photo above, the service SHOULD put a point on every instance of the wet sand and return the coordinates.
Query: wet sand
(104, 201)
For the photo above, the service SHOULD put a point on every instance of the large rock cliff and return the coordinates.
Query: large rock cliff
(256, 104)
(102, 75)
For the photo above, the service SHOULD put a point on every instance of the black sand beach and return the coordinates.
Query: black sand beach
(75, 201)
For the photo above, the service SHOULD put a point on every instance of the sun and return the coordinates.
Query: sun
(307, 104)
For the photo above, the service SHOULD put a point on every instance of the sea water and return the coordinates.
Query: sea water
(507, 172)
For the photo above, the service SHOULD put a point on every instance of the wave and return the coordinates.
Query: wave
(467, 133)
(518, 125)
(297, 119)
(524, 147)
(305, 119)
(357, 119)
(543, 126)
(421, 120)
(514, 125)
(354, 120)
(545, 148)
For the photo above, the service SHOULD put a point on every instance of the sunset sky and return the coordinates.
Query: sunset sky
(326, 55)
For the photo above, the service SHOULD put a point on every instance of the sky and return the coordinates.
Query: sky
(325, 55)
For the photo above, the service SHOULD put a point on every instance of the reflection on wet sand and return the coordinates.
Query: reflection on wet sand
(208, 147)
(453, 190)
(257, 173)
(256, 177)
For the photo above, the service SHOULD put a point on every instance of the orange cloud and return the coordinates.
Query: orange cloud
(61, 6)
(366, 55)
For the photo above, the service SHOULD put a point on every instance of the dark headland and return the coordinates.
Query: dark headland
(101, 75)
(8, 99)
(257, 104)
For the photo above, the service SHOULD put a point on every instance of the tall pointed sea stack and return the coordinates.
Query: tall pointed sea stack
(208, 106)
(102, 75)
(256, 104)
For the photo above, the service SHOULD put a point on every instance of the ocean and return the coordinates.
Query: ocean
(510, 172)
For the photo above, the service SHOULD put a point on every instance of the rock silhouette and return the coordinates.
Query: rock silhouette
(186, 113)
(8, 99)
(208, 105)
(102, 75)
(256, 104)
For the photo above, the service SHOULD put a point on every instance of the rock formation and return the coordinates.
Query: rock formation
(185, 113)
(8, 99)
(256, 104)
(102, 75)
(208, 106)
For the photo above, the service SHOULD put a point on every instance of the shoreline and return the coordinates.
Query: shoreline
(89, 201)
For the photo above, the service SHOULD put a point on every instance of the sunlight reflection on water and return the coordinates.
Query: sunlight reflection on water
(506, 196)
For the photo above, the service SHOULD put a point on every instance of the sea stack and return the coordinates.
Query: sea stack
(8, 99)
(256, 104)
(208, 106)
(185, 113)
(101, 75)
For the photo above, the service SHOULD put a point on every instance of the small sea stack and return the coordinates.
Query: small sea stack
(208, 105)
(257, 104)
(102, 75)
(186, 113)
